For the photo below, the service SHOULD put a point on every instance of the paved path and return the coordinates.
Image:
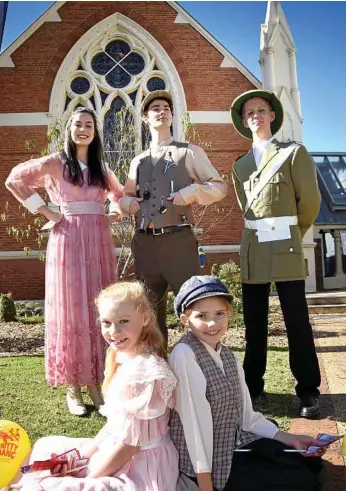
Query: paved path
(330, 338)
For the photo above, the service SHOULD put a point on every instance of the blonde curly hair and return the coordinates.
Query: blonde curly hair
(151, 338)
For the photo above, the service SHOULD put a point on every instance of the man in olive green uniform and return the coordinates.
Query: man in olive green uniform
(277, 190)
(162, 184)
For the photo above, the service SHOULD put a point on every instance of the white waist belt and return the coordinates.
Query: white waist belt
(82, 208)
(272, 223)
(157, 443)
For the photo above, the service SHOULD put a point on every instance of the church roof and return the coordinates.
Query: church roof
(52, 15)
(331, 174)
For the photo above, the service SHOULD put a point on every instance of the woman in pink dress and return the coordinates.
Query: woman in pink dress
(80, 253)
(133, 451)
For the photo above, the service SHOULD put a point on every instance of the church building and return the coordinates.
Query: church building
(109, 55)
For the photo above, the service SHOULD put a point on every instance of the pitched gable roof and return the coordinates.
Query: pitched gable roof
(52, 15)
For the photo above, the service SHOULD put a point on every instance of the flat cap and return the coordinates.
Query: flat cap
(156, 94)
(199, 287)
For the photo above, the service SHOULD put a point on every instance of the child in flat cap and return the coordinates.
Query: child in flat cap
(277, 190)
(213, 416)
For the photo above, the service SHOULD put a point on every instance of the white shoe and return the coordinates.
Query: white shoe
(75, 401)
(95, 395)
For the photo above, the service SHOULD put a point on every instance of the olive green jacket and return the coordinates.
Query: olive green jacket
(293, 190)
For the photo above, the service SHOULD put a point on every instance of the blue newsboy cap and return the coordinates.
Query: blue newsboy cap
(199, 287)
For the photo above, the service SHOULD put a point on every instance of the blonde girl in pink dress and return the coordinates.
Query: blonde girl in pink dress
(133, 451)
(80, 253)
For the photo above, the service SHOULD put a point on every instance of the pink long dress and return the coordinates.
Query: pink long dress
(80, 262)
(137, 406)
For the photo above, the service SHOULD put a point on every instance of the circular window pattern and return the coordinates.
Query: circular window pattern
(156, 83)
(80, 85)
(118, 64)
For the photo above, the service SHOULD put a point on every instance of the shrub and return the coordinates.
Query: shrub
(29, 308)
(172, 321)
(229, 273)
(7, 308)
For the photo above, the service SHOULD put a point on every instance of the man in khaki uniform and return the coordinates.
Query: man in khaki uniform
(277, 190)
(163, 183)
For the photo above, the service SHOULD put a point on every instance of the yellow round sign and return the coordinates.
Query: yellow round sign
(14, 447)
(343, 446)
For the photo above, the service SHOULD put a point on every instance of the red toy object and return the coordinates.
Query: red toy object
(50, 464)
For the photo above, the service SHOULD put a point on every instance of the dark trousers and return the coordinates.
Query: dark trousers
(165, 260)
(302, 353)
(268, 468)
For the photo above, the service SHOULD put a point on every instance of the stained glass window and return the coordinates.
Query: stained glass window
(117, 49)
(156, 83)
(124, 71)
(80, 85)
(118, 78)
(102, 63)
(118, 63)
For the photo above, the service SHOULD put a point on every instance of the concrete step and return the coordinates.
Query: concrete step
(326, 298)
(336, 308)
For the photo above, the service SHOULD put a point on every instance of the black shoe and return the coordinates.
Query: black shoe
(309, 407)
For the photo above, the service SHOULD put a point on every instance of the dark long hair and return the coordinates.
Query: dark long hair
(96, 165)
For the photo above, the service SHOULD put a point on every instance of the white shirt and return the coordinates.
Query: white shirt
(194, 409)
(259, 148)
(207, 187)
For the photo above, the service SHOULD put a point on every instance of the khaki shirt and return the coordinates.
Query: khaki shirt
(292, 191)
(207, 188)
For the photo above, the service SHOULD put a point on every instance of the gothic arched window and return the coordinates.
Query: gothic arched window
(112, 77)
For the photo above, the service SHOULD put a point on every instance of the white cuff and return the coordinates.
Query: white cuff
(114, 207)
(33, 203)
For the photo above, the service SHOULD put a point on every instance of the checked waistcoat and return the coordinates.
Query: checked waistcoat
(224, 396)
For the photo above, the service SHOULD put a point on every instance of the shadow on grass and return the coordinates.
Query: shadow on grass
(278, 405)
(270, 348)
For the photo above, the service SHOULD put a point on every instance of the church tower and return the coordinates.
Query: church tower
(279, 72)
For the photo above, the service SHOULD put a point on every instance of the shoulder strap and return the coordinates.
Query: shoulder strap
(266, 176)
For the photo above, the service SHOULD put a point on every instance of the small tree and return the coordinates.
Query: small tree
(229, 273)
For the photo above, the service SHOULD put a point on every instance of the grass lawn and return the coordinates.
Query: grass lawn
(41, 410)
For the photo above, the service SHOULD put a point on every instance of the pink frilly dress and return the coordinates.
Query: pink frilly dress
(137, 406)
(80, 262)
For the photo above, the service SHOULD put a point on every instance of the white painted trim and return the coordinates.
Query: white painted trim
(6, 61)
(50, 15)
(181, 19)
(44, 119)
(25, 119)
(221, 249)
(210, 117)
(10, 255)
(227, 62)
(196, 25)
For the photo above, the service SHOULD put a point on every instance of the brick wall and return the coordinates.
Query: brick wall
(27, 88)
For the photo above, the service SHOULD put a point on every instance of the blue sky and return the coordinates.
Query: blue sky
(318, 29)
